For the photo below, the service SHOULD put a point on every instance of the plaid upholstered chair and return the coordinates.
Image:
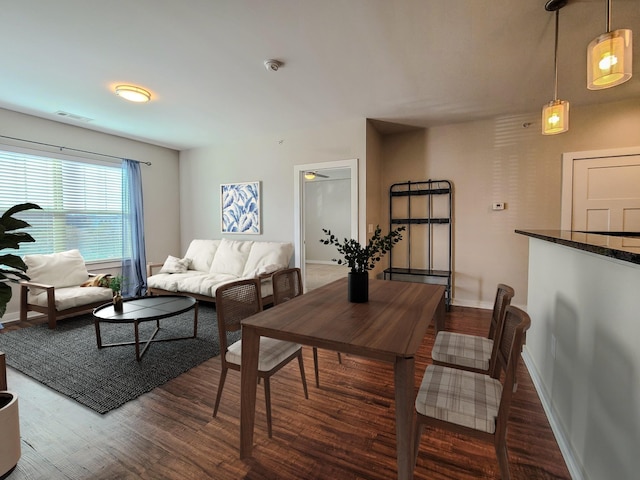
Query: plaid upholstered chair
(472, 352)
(471, 403)
(236, 301)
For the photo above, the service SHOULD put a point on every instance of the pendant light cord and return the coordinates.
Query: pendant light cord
(555, 59)
(608, 16)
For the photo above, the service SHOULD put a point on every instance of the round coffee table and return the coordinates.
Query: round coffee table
(145, 309)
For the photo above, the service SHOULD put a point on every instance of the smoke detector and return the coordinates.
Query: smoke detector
(272, 65)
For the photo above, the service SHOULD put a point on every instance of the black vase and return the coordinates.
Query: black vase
(359, 287)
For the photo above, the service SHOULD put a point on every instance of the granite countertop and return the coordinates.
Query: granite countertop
(619, 245)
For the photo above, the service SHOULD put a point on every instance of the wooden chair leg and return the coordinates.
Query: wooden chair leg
(302, 375)
(418, 429)
(503, 459)
(223, 376)
(51, 319)
(315, 366)
(267, 399)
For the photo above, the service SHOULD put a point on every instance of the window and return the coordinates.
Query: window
(81, 203)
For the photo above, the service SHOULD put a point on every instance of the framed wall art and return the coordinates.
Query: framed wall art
(240, 205)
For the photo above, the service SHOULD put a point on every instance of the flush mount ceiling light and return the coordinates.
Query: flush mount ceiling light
(555, 115)
(133, 94)
(609, 57)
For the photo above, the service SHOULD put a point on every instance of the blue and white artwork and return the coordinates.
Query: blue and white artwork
(240, 207)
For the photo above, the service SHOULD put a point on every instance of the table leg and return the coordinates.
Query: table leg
(195, 320)
(440, 315)
(404, 371)
(96, 324)
(137, 340)
(248, 386)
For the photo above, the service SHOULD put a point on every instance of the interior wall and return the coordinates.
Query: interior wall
(160, 196)
(269, 160)
(374, 199)
(502, 160)
(584, 354)
(328, 206)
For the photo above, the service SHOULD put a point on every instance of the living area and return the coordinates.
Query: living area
(499, 156)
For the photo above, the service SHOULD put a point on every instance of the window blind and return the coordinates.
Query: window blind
(81, 204)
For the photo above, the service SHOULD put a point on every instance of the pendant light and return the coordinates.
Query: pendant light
(609, 57)
(555, 115)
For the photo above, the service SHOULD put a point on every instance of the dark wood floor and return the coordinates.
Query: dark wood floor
(344, 431)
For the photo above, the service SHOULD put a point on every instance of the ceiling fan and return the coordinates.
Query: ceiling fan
(311, 175)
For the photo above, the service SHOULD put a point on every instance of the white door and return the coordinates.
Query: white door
(605, 192)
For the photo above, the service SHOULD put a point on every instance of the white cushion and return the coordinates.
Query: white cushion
(201, 253)
(267, 257)
(231, 257)
(172, 281)
(175, 265)
(272, 352)
(62, 269)
(69, 297)
(457, 396)
(463, 350)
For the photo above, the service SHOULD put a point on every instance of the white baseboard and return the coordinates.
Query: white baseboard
(573, 465)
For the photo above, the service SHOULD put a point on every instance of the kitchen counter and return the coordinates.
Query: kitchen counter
(623, 246)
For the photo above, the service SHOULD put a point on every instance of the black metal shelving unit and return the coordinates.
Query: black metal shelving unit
(426, 205)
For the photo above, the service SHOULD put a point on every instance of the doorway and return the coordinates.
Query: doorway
(601, 190)
(326, 198)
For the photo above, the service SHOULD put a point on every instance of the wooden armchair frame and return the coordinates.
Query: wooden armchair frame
(50, 311)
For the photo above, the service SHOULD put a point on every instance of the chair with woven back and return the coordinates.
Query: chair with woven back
(471, 403)
(287, 284)
(236, 301)
(473, 352)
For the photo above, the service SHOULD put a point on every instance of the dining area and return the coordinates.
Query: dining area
(388, 330)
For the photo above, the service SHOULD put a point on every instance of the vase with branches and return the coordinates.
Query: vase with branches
(362, 258)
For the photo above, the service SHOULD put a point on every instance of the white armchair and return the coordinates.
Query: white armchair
(54, 288)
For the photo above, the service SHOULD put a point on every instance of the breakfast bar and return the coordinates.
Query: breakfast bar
(582, 349)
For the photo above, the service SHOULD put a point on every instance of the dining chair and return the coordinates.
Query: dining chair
(287, 284)
(471, 403)
(473, 352)
(236, 301)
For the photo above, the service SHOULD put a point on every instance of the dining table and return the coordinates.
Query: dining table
(389, 327)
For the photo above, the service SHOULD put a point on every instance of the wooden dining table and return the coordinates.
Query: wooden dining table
(389, 327)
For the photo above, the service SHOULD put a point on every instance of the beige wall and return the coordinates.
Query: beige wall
(161, 196)
(270, 160)
(498, 160)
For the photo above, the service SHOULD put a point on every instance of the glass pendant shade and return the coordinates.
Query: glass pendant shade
(555, 117)
(609, 59)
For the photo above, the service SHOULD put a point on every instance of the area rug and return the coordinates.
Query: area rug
(67, 359)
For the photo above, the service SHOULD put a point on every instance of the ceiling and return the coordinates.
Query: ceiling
(410, 62)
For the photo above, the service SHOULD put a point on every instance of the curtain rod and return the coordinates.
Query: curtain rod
(73, 149)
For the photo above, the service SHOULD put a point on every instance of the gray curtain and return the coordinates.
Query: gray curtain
(134, 259)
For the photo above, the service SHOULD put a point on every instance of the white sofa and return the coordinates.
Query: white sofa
(55, 287)
(210, 263)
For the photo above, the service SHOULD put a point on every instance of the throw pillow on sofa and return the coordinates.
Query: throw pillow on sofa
(175, 265)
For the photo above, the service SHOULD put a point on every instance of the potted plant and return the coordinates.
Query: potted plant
(12, 268)
(360, 259)
(115, 284)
